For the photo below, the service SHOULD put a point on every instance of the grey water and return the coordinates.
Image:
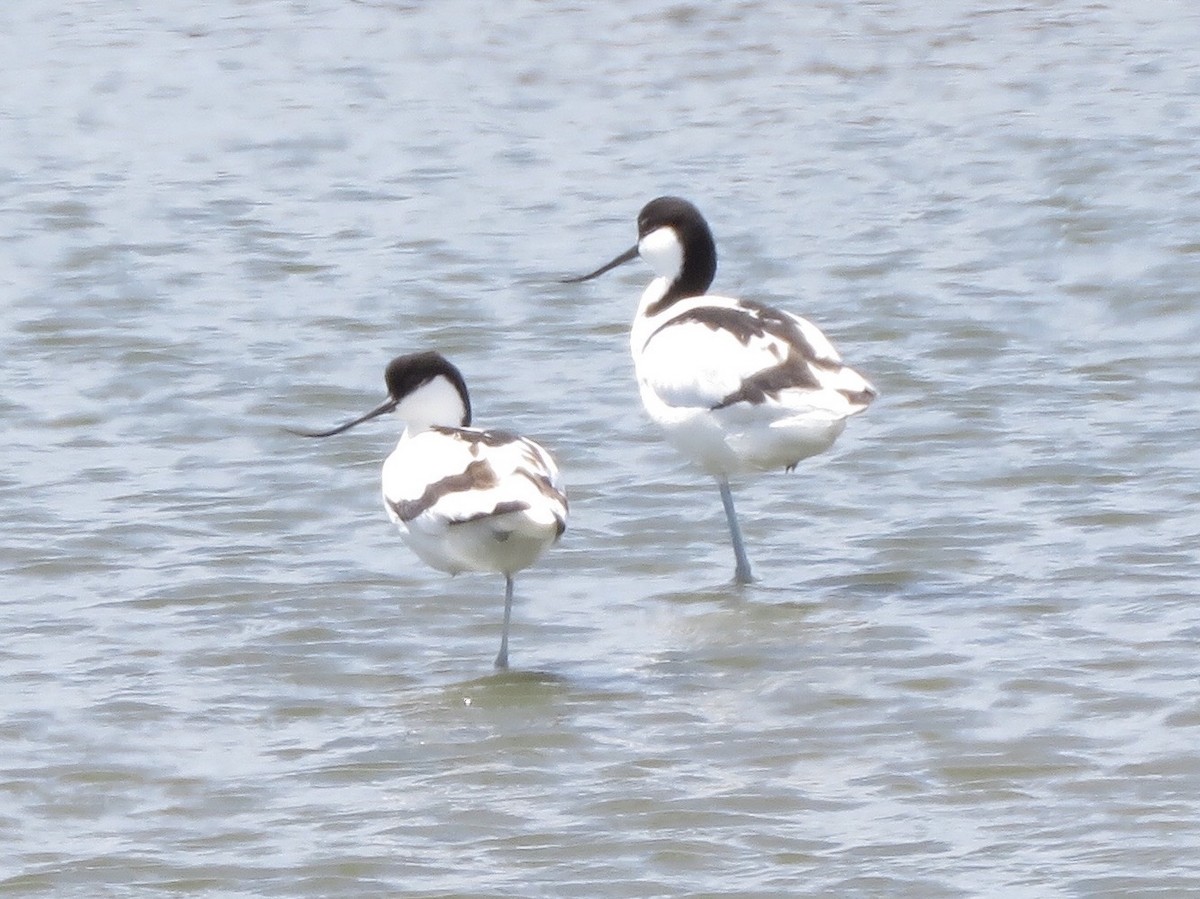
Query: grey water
(971, 663)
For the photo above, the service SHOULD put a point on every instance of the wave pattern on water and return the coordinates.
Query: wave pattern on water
(969, 667)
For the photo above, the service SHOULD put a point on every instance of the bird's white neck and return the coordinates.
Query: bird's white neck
(663, 252)
(644, 323)
(433, 404)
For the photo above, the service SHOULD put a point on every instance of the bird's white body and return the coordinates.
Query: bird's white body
(687, 367)
(471, 500)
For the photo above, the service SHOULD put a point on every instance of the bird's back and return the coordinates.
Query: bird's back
(474, 500)
(739, 386)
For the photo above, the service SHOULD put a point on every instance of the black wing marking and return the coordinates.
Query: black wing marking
(480, 476)
(477, 476)
(749, 321)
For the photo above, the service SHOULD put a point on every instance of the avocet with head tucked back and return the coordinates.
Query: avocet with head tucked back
(464, 499)
(737, 386)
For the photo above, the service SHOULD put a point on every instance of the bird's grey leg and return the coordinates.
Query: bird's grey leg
(741, 573)
(502, 658)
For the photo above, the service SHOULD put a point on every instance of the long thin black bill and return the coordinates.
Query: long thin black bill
(388, 406)
(631, 253)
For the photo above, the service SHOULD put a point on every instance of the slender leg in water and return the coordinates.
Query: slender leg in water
(502, 658)
(741, 573)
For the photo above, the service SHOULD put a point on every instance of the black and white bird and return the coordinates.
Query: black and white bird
(464, 499)
(737, 386)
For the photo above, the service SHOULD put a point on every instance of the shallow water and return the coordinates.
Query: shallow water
(969, 666)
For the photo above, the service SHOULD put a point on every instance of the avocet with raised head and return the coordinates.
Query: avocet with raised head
(464, 499)
(737, 386)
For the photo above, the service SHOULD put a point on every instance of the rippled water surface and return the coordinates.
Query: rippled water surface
(970, 665)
